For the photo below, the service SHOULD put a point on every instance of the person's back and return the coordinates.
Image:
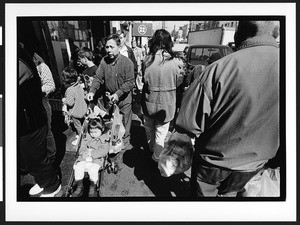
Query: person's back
(233, 111)
(32, 130)
(31, 113)
(75, 99)
(160, 82)
(244, 107)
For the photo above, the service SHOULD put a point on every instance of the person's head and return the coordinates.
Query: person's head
(249, 29)
(100, 44)
(122, 36)
(161, 40)
(133, 43)
(69, 76)
(96, 127)
(84, 55)
(112, 46)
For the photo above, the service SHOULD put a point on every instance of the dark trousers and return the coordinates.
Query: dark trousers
(126, 111)
(125, 106)
(208, 180)
(33, 153)
(51, 147)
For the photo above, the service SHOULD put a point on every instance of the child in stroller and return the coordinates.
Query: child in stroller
(94, 147)
(101, 136)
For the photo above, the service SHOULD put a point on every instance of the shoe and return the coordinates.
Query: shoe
(75, 142)
(79, 190)
(52, 194)
(36, 189)
(93, 190)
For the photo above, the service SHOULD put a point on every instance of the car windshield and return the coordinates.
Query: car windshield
(201, 55)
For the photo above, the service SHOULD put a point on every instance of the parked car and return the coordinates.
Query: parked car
(179, 50)
(232, 45)
(205, 55)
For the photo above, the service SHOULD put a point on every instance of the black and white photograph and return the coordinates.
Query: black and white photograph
(150, 112)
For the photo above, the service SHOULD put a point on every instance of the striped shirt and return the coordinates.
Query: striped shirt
(75, 101)
(47, 81)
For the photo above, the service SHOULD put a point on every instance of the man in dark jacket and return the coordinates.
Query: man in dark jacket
(115, 74)
(233, 111)
(32, 130)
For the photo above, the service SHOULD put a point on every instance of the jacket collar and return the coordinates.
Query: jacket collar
(258, 41)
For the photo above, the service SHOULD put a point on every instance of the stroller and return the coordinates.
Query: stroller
(113, 121)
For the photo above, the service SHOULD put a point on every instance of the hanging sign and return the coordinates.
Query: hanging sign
(142, 30)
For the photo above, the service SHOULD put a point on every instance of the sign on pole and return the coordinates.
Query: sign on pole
(142, 30)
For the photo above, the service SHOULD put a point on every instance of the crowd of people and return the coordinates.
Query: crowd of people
(231, 109)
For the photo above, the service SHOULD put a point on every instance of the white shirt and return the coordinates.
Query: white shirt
(124, 51)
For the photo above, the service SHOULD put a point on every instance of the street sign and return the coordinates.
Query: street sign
(142, 30)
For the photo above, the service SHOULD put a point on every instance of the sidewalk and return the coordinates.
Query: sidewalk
(138, 177)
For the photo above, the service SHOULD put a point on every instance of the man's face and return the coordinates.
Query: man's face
(112, 49)
(122, 39)
(133, 44)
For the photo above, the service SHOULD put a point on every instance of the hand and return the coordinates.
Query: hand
(114, 98)
(90, 96)
(63, 100)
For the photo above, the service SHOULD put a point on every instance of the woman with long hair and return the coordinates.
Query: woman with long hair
(163, 73)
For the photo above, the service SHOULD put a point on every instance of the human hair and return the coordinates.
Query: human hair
(69, 76)
(115, 37)
(119, 32)
(97, 123)
(85, 52)
(161, 40)
(248, 29)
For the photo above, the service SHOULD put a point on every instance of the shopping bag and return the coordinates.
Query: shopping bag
(117, 131)
(264, 184)
(177, 155)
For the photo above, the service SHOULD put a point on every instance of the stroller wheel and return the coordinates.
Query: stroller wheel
(109, 168)
(116, 168)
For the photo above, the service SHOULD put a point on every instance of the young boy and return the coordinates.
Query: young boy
(85, 56)
(94, 147)
(74, 105)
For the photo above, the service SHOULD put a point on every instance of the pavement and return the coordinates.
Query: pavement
(138, 177)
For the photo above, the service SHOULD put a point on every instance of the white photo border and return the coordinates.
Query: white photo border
(148, 211)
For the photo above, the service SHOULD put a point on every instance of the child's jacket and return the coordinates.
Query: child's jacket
(75, 101)
(99, 147)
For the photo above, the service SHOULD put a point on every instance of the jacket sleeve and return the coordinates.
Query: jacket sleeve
(194, 111)
(129, 80)
(48, 85)
(98, 78)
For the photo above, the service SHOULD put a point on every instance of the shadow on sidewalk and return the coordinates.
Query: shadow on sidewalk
(146, 169)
